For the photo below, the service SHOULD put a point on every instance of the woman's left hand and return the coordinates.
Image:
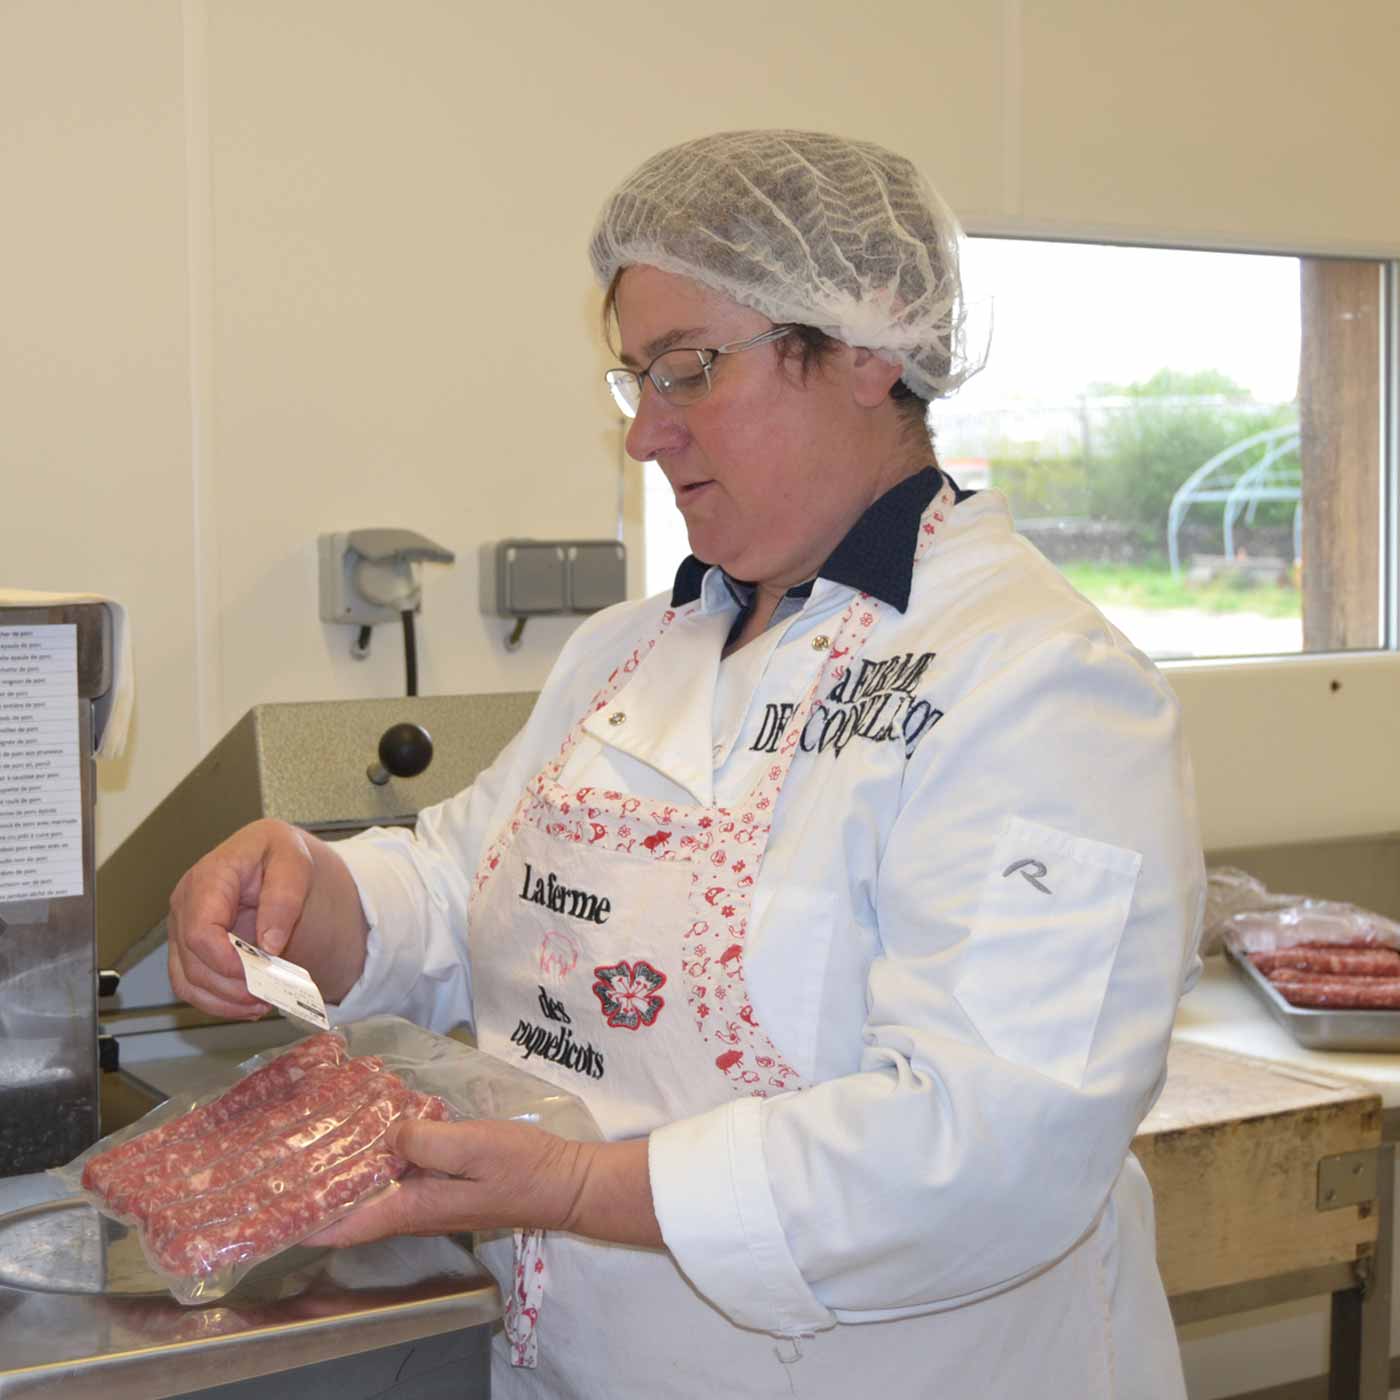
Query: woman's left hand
(489, 1175)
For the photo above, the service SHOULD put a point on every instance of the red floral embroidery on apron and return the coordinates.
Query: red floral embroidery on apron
(628, 993)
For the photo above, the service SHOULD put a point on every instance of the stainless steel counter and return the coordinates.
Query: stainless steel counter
(113, 1334)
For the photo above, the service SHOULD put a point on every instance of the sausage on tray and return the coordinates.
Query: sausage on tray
(1361, 962)
(1314, 989)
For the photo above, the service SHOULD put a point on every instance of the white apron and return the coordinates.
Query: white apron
(614, 968)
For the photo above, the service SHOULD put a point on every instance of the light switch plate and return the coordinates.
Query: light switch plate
(597, 575)
(533, 578)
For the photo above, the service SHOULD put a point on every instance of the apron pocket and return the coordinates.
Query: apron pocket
(1036, 963)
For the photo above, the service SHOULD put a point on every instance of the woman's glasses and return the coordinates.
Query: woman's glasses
(680, 376)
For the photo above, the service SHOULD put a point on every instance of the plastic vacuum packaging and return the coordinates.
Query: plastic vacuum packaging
(217, 1184)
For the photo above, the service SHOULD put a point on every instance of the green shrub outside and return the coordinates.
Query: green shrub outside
(1135, 455)
(1141, 455)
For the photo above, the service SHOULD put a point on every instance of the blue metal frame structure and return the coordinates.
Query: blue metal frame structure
(1242, 479)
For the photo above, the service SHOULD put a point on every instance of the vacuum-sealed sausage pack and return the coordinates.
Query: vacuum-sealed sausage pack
(217, 1184)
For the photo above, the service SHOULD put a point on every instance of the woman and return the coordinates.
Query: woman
(852, 886)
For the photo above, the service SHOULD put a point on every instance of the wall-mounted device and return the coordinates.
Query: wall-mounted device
(370, 576)
(545, 578)
(56, 661)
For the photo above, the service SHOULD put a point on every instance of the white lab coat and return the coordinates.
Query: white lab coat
(977, 912)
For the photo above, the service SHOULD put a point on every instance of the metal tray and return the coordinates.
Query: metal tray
(1318, 1029)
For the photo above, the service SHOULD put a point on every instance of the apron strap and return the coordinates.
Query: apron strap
(526, 1295)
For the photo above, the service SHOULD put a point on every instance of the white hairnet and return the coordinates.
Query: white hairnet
(808, 228)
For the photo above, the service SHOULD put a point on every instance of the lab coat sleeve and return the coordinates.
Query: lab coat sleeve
(415, 887)
(1014, 1038)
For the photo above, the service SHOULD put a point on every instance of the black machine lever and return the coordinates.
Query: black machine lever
(405, 750)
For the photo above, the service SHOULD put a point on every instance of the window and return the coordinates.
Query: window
(1196, 439)
(1193, 437)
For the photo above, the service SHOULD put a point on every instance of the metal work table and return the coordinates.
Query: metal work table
(132, 1342)
(1223, 1014)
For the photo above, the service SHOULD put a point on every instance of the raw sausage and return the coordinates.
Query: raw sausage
(250, 1144)
(275, 1081)
(1343, 993)
(264, 1214)
(361, 1130)
(238, 1179)
(1361, 962)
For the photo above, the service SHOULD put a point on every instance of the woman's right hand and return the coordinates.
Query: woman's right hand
(256, 884)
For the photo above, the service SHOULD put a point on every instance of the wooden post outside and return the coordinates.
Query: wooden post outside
(1339, 401)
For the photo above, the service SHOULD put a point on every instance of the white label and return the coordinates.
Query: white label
(41, 800)
(282, 984)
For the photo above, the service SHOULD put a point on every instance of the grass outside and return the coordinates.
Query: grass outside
(1133, 585)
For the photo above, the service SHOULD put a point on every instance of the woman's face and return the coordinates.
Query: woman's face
(768, 471)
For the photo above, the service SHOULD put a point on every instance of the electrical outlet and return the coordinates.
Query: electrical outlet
(341, 601)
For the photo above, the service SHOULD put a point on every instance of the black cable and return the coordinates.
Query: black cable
(410, 654)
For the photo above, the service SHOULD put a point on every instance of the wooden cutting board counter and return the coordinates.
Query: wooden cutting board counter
(1234, 1148)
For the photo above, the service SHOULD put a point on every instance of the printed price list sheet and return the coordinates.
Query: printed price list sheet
(41, 824)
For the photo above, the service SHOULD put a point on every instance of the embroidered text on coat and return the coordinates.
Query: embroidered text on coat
(874, 701)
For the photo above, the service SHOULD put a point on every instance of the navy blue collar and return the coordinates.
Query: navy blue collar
(875, 557)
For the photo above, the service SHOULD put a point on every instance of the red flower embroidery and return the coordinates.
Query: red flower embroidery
(628, 993)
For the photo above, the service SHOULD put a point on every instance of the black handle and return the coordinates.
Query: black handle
(405, 750)
(108, 982)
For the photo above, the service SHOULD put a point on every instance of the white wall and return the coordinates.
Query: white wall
(274, 267)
